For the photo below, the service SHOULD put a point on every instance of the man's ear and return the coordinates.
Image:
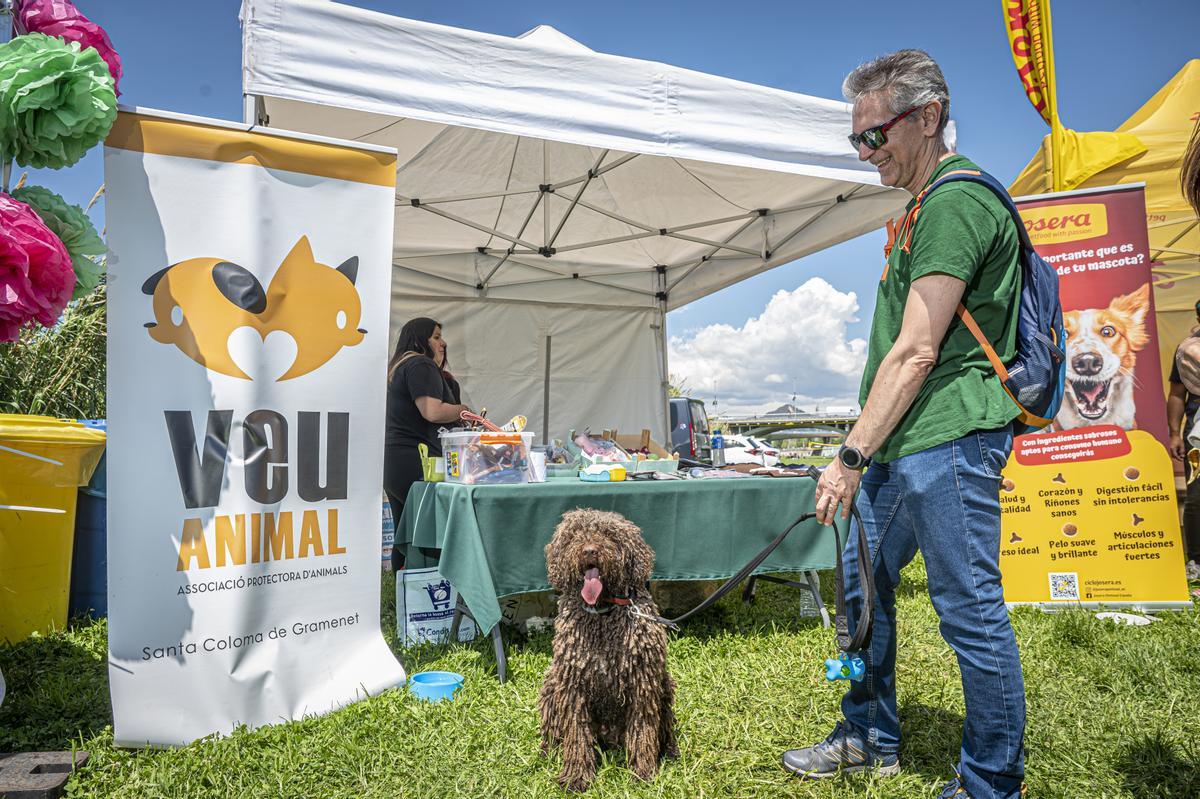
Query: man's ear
(931, 117)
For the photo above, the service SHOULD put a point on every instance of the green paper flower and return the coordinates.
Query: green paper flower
(74, 228)
(56, 101)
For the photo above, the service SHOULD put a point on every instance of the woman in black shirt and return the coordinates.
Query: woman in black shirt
(420, 400)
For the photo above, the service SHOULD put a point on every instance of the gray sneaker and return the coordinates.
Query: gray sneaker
(844, 751)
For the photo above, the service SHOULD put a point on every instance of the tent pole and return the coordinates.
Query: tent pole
(254, 111)
(481, 228)
(704, 258)
(583, 187)
(595, 173)
(546, 395)
(662, 346)
(841, 198)
(536, 201)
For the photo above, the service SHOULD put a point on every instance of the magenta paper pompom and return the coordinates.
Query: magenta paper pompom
(61, 18)
(36, 276)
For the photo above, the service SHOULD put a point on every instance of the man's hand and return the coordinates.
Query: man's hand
(836, 487)
(1176, 447)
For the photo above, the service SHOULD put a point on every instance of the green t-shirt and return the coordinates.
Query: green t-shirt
(962, 230)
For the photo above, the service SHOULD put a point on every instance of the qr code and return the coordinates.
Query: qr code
(1064, 585)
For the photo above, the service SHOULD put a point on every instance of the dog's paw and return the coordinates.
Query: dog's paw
(576, 783)
(644, 771)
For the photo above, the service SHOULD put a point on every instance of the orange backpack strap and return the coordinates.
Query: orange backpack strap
(911, 220)
(988, 350)
(891, 239)
(1027, 418)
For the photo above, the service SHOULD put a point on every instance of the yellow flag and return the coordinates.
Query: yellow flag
(1082, 155)
(1071, 157)
(1028, 25)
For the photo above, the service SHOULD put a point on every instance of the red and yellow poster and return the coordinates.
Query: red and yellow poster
(1089, 508)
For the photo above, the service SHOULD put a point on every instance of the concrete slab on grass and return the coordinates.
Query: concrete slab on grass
(37, 775)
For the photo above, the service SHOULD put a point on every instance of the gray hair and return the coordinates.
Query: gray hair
(910, 78)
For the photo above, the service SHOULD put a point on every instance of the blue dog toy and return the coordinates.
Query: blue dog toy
(844, 667)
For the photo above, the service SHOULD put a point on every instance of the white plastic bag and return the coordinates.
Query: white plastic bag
(425, 607)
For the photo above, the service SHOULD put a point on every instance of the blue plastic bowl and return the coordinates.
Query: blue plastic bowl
(434, 686)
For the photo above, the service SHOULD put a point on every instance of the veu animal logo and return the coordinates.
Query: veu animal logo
(439, 594)
(200, 302)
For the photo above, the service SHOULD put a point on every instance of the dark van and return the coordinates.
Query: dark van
(689, 429)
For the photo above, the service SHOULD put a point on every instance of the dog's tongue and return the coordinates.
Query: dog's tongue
(591, 586)
(1091, 394)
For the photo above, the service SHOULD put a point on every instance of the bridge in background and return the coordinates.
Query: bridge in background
(787, 425)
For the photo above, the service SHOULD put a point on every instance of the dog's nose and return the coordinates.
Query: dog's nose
(1087, 364)
(590, 551)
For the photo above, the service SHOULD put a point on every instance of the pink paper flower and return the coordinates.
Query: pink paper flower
(36, 276)
(61, 18)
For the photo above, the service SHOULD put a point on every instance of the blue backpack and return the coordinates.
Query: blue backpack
(1036, 378)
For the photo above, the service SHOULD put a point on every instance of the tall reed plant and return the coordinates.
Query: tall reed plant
(59, 371)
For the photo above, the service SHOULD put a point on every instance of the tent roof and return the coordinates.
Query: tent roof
(550, 36)
(1164, 124)
(535, 168)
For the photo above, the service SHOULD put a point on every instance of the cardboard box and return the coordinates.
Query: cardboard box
(631, 443)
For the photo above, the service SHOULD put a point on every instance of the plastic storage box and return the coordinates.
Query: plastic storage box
(485, 458)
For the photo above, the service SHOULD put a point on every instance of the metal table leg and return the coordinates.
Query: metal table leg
(812, 584)
(460, 610)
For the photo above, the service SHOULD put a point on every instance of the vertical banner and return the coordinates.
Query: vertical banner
(1089, 509)
(248, 285)
(1027, 25)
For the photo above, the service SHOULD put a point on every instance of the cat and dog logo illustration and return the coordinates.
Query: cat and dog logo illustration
(199, 302)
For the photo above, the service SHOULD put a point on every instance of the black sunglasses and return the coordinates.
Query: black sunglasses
(876, 137)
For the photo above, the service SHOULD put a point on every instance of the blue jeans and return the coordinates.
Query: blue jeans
(945, 502)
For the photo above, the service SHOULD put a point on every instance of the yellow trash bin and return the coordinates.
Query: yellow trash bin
(43, 461)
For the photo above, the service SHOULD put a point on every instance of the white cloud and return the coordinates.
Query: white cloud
(799, 340)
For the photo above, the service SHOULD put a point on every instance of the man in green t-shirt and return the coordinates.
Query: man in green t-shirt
(934, 434)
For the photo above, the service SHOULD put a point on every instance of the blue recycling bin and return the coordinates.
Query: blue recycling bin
(89, 561)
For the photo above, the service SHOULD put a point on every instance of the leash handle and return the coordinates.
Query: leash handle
(866, 579)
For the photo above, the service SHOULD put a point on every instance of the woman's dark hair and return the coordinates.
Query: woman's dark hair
(1189, 173)
(414, 337)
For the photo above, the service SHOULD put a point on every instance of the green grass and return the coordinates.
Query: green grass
(812, 460)
(1113, 712)
(60, 371)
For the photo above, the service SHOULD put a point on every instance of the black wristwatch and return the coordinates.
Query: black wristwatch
(852, 458)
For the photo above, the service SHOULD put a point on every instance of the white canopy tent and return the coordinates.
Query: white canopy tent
(553, 203)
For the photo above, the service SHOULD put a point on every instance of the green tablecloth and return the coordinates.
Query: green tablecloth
(492, 537)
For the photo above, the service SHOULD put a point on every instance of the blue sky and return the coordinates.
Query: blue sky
(1111, 56)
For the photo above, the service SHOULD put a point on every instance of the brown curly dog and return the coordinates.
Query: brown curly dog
(608, 682)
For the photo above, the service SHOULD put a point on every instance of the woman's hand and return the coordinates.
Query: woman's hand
(837, 486)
